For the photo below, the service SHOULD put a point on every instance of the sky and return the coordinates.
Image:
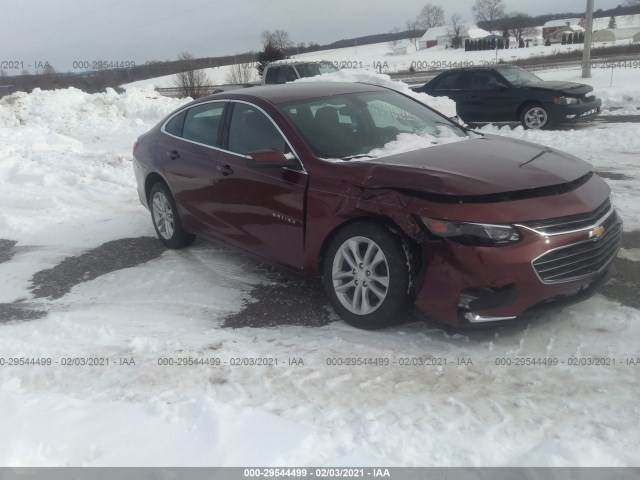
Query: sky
(64, 32)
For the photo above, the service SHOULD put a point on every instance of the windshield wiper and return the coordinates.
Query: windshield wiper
(351, 157)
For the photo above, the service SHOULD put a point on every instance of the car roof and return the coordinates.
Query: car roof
(295, 61)
(481, 67)
(291, 92)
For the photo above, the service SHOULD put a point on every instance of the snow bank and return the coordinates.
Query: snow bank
(444, 105)
(63, 152)
(71, 109)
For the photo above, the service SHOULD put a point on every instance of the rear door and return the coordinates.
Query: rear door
(191, 148)
(453, 85)
(259, 208)
(485, 101)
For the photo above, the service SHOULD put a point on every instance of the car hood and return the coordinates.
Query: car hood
(481, 166)
(567, 88)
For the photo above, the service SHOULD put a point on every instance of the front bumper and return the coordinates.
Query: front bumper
(574, 113)
(469, 285)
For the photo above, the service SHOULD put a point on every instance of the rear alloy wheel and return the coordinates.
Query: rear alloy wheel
(367, 277)
(534, 117)
(165, 218)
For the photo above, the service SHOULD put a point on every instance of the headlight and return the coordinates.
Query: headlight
(565, 101)
(472, 233)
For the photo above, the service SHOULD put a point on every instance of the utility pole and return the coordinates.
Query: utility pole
(586, 56)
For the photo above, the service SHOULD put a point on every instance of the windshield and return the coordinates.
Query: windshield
(371, 124)
(518, 76)
(314, 69)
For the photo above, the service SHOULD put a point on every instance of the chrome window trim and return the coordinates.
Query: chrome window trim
(226, 100)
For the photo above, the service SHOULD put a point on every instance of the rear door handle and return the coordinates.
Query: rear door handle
(173, 155)
(224, 169)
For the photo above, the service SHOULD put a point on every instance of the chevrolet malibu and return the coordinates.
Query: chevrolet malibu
(387, 201)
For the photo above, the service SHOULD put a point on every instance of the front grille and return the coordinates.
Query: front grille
(557, 225)
(580, 260)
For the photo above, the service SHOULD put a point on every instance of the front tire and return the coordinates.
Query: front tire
(368, 275)
(166, 222)
(534, 117)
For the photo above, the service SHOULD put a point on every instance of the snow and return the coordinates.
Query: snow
(444, 105)
(67, 186)
(379, 57)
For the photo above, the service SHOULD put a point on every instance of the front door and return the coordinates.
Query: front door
(259, 208)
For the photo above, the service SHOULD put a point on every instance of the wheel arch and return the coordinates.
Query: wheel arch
(385, 221)
(150, 181)
(524, 104)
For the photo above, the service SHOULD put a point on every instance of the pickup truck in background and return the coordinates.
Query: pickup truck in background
(283, 71)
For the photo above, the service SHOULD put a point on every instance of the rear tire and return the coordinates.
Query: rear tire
(166, 221)
(368, 275)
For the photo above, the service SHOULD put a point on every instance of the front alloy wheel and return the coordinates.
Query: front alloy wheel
(368, 275)
(534, 117)
(360, 275)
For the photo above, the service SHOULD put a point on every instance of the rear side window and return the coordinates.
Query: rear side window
(452, 81)
(287, 74)
(202, 123)
(272, 75)
(174, 126)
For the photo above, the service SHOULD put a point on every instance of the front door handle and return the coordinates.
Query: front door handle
(224, 169)
(173, 155)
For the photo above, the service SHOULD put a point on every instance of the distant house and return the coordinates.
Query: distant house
(613, 34)
(552, 26)
(434, 36)
(403, 47)
(566, 32)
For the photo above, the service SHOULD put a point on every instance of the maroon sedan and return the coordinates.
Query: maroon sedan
(385, 199)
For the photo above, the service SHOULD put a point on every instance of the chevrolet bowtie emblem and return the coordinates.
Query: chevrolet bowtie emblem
(597, 232)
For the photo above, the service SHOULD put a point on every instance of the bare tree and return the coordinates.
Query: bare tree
(395, 37)
(488, 10)
(2, 74)
(191, 81)
(430, 16)
(240, 73)
(455, 30)
(279, 38)
(48, 77)
(414, 31)
(518, 24)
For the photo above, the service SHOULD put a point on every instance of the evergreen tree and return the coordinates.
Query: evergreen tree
(271, 53)
(612, 22)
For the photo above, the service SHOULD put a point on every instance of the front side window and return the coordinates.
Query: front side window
(518, 76)
(202, 123)
(483, 80)
(251, 130)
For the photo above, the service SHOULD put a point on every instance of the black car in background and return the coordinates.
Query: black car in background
(510, 94)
